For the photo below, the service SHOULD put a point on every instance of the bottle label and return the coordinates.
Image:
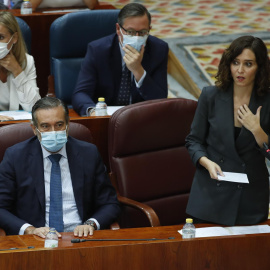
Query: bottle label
(186, 236)
(101, 112)
(26, 11)
(50, 243)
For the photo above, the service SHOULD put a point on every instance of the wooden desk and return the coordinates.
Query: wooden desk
(230, 252)
(39, 24)
(98, 126)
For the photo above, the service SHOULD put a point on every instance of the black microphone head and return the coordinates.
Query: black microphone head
(75, 240)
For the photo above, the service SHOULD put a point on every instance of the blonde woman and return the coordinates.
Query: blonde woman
(18, 87)
(60, 3)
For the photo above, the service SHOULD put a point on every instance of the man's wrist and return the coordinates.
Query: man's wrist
(29, 230)
(91, 223)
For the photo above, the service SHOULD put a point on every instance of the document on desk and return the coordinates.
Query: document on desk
(234, 177)
(65, 10)
(112, 109)
(235, 230)
(17, 115)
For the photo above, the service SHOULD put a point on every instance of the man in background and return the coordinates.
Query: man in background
(126, 67)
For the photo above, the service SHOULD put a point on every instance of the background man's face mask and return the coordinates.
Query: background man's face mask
(134, 41)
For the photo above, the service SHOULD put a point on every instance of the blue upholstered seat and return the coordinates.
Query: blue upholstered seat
(26, 32)
(69, 36)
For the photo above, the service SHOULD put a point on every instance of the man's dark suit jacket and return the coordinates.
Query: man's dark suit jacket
(212, 135)
(22, 190)
(101, 72)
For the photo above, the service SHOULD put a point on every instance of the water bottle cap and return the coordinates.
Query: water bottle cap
(101, 99)
(189, 220)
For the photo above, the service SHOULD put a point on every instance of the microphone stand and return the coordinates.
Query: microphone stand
(147, 239)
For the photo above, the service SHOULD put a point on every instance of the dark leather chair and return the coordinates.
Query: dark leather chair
(15, 133)
(69, 36)
(150, 166)
(26, 33)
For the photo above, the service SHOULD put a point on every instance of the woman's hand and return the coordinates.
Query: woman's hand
(4, 117)
(249, 120)
(212, 167)
(11, 64)
(252, 123)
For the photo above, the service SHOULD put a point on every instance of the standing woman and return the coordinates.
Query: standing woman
(231, 124)
(18, 87)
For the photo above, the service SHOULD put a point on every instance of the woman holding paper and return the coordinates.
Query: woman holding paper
(18, 87)
(231, 124)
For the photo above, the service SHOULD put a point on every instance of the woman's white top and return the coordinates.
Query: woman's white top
(21, 90)
(61, 3)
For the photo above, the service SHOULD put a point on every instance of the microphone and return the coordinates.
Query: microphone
(14, 248)
(266, 150)
(77, 240)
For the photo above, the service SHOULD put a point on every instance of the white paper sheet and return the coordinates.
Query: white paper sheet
(112, 109)
(17, 115)
(234, 177)
(235, 230)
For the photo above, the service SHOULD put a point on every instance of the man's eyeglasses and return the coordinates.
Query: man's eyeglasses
(134, 33)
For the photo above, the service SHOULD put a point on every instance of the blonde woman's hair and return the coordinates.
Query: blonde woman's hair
(19, 48)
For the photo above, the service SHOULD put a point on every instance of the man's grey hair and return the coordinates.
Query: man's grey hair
(48, 103)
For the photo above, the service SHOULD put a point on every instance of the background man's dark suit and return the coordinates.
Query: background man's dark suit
(212, 135)
(22, 191)
(101, 72)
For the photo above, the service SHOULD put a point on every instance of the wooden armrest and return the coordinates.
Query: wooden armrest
(2, 232)
(115, 226)
(51, 92)
(146, 209)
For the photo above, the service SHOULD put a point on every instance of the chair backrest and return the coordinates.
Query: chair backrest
(149, 160)
(26, 32)
(69, 36)
(15, 133)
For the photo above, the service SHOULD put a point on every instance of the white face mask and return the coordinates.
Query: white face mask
(3, 48)
(134, 41)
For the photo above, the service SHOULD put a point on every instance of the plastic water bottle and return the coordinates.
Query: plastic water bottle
(26, 7)
(189, 229)
(51, 240)
(101, 107)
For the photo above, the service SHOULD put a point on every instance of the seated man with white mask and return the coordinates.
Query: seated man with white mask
(54, 180)
(126, 67)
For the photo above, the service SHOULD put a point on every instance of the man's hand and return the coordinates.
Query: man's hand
(133, 60)
(83, 230)
(41, 232)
